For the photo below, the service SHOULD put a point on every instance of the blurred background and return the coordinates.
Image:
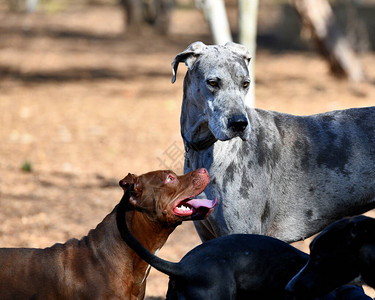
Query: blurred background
(86, 97)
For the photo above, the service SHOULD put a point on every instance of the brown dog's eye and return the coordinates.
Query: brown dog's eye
(170, 178)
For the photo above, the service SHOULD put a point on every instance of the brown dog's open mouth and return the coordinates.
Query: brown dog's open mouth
(194, 207)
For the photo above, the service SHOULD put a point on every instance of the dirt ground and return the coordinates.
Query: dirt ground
(83, 104)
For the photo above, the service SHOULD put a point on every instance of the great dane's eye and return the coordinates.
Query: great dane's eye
(246, 84)
(212, 83)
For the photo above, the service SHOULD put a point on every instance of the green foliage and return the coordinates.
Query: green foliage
(26, 167)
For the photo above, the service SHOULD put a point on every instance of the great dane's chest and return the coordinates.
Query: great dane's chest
(222, 164)
(232, 179)
(232, 166)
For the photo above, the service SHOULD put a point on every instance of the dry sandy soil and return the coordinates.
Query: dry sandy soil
(85, 104)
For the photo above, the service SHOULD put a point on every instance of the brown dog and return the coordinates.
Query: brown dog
(101, 265)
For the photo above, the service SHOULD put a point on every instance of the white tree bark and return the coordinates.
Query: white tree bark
(247, 24)
(31, 5)
(216, 16)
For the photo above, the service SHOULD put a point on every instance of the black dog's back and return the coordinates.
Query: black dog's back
(252, 265)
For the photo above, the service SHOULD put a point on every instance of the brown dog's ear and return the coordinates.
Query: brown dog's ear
(127, 181)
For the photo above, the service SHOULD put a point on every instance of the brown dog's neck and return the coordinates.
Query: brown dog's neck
(151, 234)
(121, 261)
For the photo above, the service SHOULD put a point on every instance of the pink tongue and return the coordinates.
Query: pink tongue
(196, 203)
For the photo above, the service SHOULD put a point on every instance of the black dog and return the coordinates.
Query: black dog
(343, 251)
(232, 267)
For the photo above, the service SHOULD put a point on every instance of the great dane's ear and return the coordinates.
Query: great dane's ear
(188, 56)
(127, 181)
(240, 50)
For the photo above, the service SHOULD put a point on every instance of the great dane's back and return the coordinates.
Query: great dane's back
(276, 174)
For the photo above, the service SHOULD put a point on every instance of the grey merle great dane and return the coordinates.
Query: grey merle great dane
(275, 174)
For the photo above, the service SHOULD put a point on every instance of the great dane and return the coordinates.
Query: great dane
(274, 173)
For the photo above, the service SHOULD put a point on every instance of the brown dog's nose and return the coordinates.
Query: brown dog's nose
(200, 177)
(202, 171)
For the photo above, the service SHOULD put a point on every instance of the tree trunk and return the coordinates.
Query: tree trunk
(134, 14)
(216, 16)
(247, 24)
(318, 17)
(155, 13)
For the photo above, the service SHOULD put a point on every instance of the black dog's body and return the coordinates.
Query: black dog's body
(343, 251)
(232, 267)
(235, 267)
(239, 266)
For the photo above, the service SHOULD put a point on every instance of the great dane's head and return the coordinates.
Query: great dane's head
(215, 88)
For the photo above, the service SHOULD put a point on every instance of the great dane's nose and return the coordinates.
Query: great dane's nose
(237, 123)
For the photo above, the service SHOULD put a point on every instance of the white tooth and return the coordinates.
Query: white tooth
(184, 208)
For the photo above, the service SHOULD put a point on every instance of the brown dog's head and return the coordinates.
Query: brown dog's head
(168, 198)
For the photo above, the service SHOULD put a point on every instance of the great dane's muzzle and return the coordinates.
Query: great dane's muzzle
(237, 123)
